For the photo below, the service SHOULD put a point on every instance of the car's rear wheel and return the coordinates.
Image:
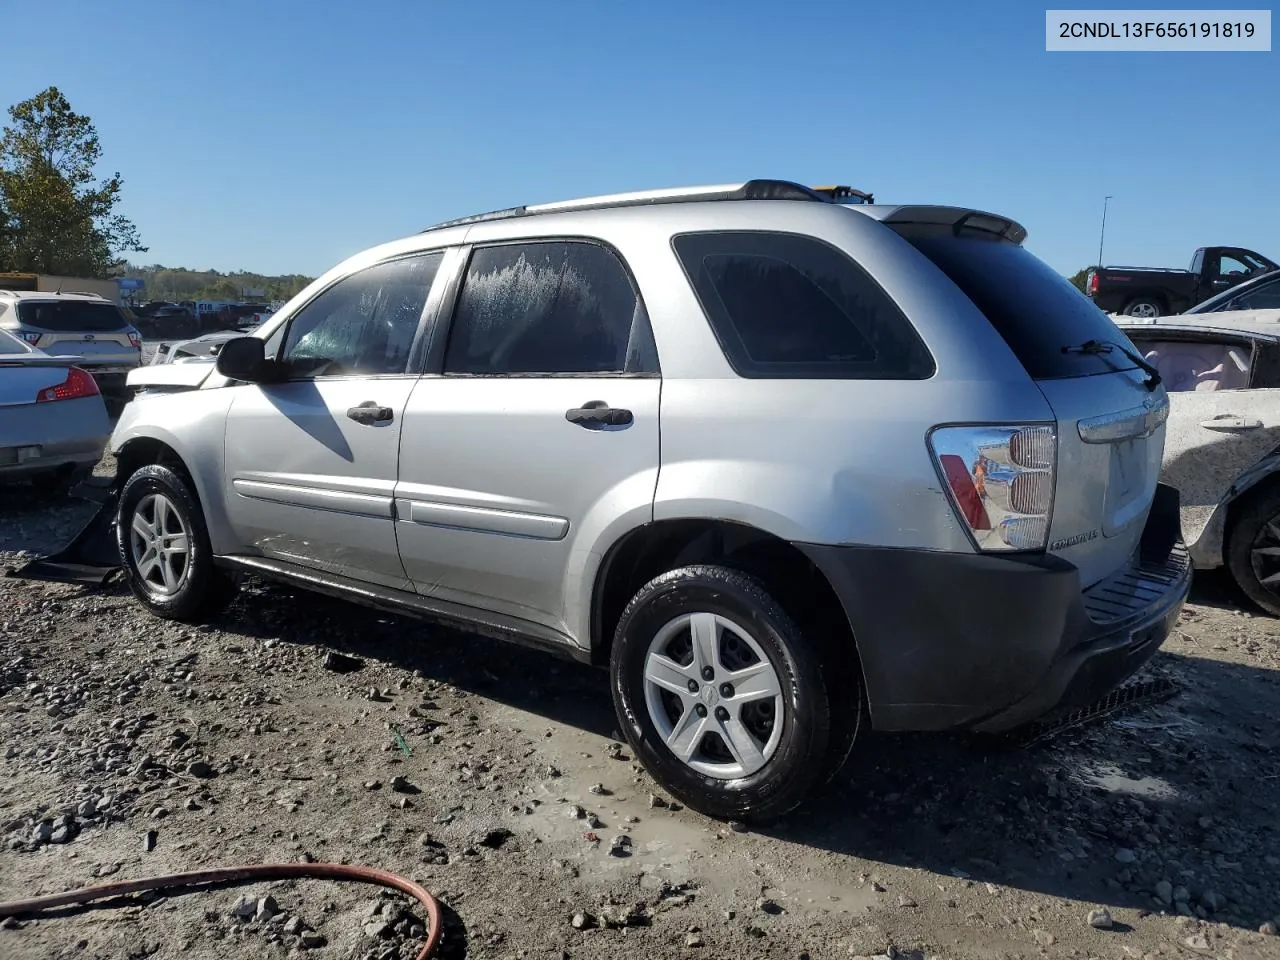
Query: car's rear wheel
(164, 545)
(1144, 308)
(720, 695)
(1253, 548)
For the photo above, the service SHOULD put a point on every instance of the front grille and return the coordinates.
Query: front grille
(1136, 586)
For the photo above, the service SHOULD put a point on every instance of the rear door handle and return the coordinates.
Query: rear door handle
(596, 415)
(1230, 423)
(370, 413)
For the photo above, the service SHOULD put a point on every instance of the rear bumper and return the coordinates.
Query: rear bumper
(990, 643)
(79, 456)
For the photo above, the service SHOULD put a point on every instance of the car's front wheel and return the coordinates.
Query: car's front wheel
(720, 695)
(164, 545)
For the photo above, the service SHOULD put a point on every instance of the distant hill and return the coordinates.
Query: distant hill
(179, 283)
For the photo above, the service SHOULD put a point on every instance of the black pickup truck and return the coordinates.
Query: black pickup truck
(1156, 292)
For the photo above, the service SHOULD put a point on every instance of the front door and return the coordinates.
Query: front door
(310, 462)
(538, 439)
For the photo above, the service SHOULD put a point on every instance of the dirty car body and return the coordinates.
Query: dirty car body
(1222, 448)
(855, 406)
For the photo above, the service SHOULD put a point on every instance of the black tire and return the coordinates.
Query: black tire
(202, 589)
(1249, 529)
(800, 761)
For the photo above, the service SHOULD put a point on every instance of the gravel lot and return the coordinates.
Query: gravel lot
(132, 747)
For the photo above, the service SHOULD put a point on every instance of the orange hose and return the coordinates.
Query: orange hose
(249, 874)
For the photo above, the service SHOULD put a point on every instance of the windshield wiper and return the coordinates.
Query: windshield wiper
(1094, 347)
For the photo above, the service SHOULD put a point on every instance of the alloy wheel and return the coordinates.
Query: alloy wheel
(714, 696)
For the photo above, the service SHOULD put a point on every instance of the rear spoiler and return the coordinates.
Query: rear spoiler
(35, 360)
(959, 219)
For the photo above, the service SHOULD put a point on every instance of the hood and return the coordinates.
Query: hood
(171, 376)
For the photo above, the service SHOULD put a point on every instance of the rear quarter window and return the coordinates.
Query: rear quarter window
(71, 316)
(1038, 312)
(786, 305)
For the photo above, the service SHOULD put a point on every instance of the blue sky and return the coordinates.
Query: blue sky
(283, 136)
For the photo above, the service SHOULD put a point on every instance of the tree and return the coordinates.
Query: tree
(1079, 277)
(54, 216)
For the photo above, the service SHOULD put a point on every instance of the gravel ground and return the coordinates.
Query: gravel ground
(132, 747)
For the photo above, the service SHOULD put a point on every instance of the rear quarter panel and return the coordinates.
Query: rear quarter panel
(824, 461)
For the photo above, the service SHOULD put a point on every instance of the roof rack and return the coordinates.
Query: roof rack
(751, 190)
(843, 194)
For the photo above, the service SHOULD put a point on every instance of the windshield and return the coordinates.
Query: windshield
(1219, 301)
(1037, 311)
(66, 316)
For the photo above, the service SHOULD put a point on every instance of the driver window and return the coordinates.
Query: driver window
(1229, 266)
(363, 325)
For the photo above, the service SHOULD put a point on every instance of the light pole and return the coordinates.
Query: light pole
(1103, 236)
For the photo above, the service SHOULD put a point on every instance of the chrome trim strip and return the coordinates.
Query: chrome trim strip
(485, 520)
(338, 501)
(1135, 423)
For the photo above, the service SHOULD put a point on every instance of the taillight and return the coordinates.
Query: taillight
(1092, 283)
(31, 338)
(1000, 479)
(135, 339)
(77, 385)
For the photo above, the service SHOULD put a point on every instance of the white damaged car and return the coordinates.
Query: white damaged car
(1222, 442)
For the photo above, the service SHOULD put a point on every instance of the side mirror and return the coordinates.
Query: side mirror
(244, 358)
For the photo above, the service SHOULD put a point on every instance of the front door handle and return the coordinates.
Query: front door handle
(596, 415)
(1231, 423)
(370, 413)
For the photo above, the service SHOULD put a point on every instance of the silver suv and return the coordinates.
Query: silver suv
(791, 467)
(83, 325)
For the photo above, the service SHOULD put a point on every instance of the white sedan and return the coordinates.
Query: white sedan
(53, 422)
(1222, 446)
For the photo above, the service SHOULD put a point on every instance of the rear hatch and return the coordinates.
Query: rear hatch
(1110, 425)
(96, 331)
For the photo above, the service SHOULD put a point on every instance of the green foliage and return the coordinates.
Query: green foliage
(176, 283)
(1079, 277)
(54, 216)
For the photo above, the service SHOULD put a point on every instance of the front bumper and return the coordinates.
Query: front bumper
(990, 643)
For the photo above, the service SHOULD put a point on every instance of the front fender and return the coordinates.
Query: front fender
(192, 425)
(1206, 536)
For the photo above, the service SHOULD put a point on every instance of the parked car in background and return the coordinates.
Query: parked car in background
(232, 316)
(168, 321)
(906, 477)
(1147, 292)
(203, 347)
(82, 325)
(1222, 441)
(1259, 293)
(53, 422)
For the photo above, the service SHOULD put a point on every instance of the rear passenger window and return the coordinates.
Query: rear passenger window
(548, 308)
(787, 305)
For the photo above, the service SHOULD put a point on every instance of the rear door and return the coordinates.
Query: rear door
(537, 432)
(310, 463)
(1109, 424)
